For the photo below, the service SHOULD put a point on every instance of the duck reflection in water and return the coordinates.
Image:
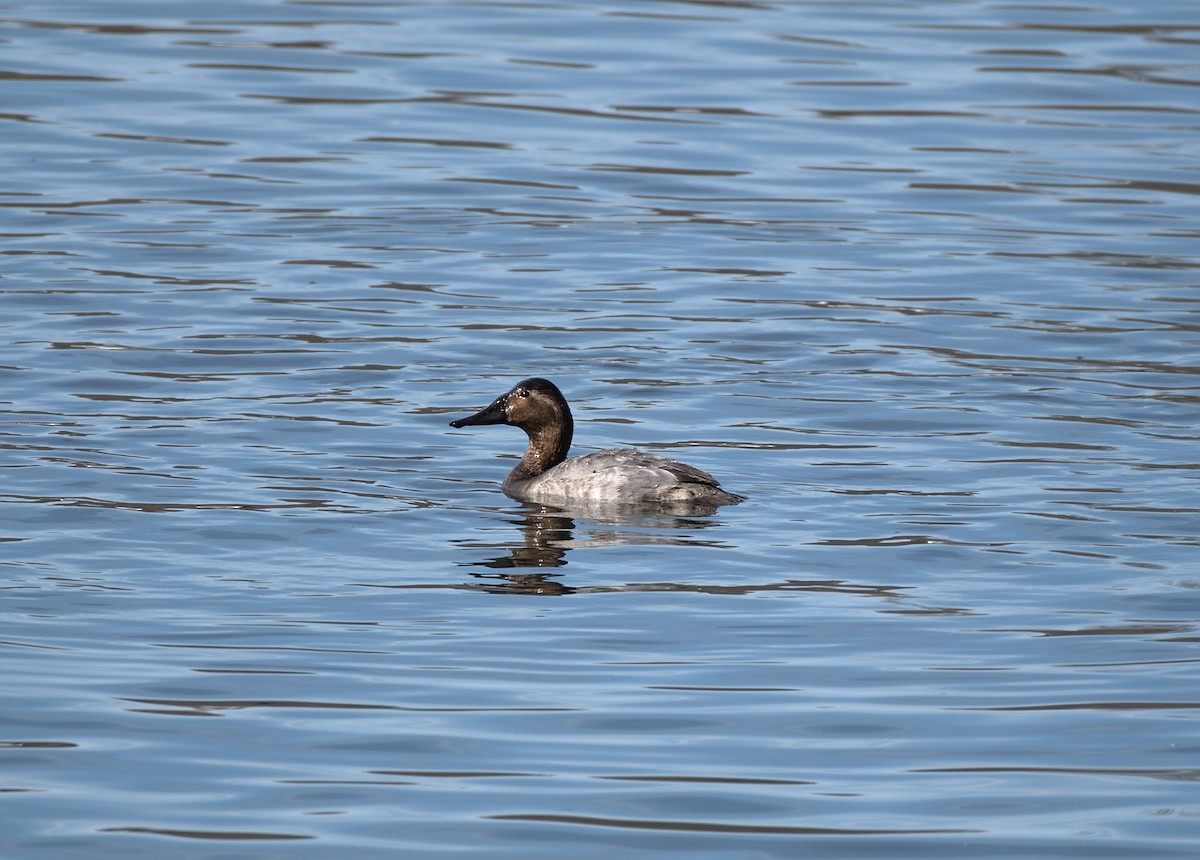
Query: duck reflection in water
(548, 536)
(528, 566)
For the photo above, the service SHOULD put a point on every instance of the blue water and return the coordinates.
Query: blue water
(919, 279)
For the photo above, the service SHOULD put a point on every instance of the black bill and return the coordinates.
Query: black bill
(490, 414)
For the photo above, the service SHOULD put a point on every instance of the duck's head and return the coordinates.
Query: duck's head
(535, 405)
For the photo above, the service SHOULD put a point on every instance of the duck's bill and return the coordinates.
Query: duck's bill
(492, 414)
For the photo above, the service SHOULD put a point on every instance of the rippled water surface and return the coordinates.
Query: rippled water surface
(920, 279)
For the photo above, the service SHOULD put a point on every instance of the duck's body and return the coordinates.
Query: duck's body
(621, 475)
(614, 476)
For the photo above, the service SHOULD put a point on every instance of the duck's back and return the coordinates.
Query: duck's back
(623, 476)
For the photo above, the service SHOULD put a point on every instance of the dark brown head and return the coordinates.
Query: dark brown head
(535, 405)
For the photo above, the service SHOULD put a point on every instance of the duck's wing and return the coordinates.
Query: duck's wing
(631, 458)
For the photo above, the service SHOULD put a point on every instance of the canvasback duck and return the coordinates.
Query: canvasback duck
(614, 476)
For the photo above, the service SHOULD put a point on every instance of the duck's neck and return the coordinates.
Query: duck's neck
(548, 446)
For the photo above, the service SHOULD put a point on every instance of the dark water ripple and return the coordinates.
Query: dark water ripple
(920, 280)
